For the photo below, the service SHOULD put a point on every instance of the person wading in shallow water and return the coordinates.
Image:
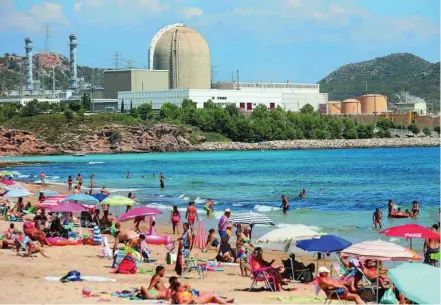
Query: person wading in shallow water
(161, 180)
(285, 204)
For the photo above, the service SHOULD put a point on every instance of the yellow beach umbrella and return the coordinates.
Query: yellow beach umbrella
(118, 201)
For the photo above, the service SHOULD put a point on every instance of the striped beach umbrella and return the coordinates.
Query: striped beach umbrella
(251, 218)
(97, 238)
(51, 201)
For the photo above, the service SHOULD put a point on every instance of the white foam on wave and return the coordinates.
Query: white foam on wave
(265, 208)
(23, 176)
(284, 225)
(165, 207)
(95, 162)
(181, 196)
(199, 200)
(394, 239)
(238, 204)
(123, 190)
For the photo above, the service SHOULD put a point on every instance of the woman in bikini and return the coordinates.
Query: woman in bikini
(258, 262)
(243, 240)
(415, 209)
(175, 218)
(182, 296)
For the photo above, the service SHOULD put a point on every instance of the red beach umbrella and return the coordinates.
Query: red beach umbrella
(410, 231)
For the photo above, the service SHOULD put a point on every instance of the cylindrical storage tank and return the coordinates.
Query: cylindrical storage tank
(351, 106)
(334, 107)
(185, 54)
(372, 103)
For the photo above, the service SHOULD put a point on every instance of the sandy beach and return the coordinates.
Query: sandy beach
(22, 279)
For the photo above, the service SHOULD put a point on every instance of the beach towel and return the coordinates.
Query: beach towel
(132, 296)
(97, 238)
(84, 278)
(298, 300)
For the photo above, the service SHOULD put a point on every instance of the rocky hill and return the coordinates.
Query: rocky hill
(12, 71)
(390, 75)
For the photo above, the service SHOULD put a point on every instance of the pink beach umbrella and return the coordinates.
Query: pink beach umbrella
(51, 202)
(141, 211)
(8, 182)
(67, 208)
(200, 239)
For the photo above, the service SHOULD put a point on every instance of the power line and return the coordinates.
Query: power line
(116, 59)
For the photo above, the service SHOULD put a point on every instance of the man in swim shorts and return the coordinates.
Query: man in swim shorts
(191, 214)
(377, 217)
(285, 204)
(156, 289)
(123, 236)
(329, 285)
(431, 246)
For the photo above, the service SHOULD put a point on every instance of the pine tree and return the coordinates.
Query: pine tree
(131, 105)
(122, 106)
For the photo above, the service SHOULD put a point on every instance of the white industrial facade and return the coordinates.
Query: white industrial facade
(245, 96)
(419, 107)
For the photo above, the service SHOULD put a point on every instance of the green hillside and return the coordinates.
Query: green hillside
(389, 75)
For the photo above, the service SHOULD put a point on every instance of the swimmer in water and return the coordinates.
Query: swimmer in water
(128, 175)
(285, 204)
(161, 181)
(209, 207)
(302, 193)
(377, 218)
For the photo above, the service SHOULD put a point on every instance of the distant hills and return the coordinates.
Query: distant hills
(390, 75)
(12, 72)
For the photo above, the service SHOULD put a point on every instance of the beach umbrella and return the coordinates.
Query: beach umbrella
(6, 173)
(140, 211)
(49, 193)
(378, 250)
(118, 201)
(418, 282)
(326, 243)
(100, 196)
(16, 193)
(200, 240)
(410, 231)
(51, 201)
(67, 208)
(81, 199)
(289, 233)
(251, 218)
(8, 182)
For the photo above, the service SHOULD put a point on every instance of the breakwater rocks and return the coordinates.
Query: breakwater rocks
(320, 144)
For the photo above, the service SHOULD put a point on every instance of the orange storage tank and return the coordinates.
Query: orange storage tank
(371, 103)
(334, 107)
(351, 106)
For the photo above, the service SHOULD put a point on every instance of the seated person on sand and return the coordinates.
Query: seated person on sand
(258, 262)
(181, 296)
(41, 220)
(32, 246)
(6, 244)
(340, 287)
(56, 229)
(123, 236)
(156, 289)
(212, 242)
(225, 253)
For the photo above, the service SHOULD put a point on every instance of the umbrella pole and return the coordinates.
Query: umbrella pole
(378, 273)
(411, 243)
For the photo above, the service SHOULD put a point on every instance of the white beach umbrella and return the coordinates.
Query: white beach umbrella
(289, 233)
(378, 250)
(251, 218)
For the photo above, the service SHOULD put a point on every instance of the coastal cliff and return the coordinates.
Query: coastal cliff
(115, 138)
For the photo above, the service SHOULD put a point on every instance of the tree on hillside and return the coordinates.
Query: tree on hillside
(30, 109)
(86, 101)
(122, 106)
(307, 109)
(69, 114)
(146, 112)
(75, 106)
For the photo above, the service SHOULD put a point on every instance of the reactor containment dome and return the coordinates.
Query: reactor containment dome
(185, 54)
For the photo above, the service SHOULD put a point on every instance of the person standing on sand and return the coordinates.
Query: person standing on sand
(161, 180)
(224, 224)
(377, 217)
(285, 204)
(123, 236)
(192, 214)
(69, 183)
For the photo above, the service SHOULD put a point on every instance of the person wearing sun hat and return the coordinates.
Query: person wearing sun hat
(337, 287)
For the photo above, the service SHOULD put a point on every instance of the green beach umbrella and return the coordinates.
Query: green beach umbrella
(435, 256)
(6, 173)
(418, 282)
(118, 201)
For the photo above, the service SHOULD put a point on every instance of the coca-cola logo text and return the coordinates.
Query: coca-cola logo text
(413, 235)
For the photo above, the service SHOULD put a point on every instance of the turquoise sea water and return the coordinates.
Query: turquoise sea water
(343, 186)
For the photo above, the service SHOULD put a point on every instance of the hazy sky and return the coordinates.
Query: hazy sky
(267, 40)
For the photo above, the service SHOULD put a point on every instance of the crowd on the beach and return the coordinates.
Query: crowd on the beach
(38, 226)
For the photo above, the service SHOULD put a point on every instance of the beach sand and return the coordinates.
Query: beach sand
(21, 279)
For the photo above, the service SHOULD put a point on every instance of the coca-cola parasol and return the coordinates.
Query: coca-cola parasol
(410, 231)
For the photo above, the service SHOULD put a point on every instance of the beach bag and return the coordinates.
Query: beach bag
(170, 258)
(389, 297)
(71, 276)
(107, 252)
(127, 265)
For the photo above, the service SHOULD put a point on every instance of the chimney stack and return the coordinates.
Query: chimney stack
(73, 61)
(29, 79)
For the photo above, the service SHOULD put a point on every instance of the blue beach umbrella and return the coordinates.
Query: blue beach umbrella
(99, 196)
(18, 193)
(81, 199)
(326, 243)
(418, 282)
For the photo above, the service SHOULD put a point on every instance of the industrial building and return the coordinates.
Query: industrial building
(365, 104)
(24, 100)
(133, 80)
(417, 107)
(185, 54)
(245, 96)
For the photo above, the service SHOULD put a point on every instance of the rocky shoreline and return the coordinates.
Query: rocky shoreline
(321, 144)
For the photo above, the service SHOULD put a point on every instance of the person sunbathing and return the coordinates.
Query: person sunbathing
(370, 271)
(341, 288)
(225, 253)
(123, 236)
(187, 287)
(6, 244)
(276, 272)
(156, 289)
(182, 296)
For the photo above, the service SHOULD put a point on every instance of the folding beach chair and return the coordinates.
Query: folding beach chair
(192, 263)
(261, 275)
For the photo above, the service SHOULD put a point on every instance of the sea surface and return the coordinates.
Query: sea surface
(343, 186)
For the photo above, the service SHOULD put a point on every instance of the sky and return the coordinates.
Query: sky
(266, 40)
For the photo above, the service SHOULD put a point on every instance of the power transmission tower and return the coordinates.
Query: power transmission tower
(213, 75)
(116, 59)
(47, 30)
